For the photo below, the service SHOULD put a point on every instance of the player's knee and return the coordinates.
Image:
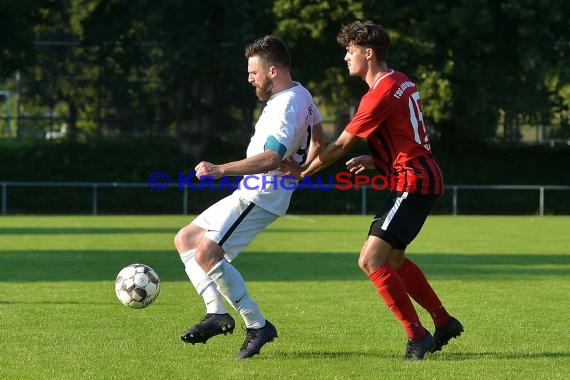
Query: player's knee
(364, 263)
(179, 241)
(187, 238)
(370, 260)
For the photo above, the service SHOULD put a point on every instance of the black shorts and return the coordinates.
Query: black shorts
(401, 217)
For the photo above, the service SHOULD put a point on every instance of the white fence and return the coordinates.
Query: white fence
(95, 186)
(540, 188)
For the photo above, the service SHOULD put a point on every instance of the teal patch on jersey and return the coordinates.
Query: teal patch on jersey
(274, 145)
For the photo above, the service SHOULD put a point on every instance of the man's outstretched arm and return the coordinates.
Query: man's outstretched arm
(330, 154)
(260, 163)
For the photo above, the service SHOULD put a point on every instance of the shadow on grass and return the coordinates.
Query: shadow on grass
(134, 230)
(77, 265)
(90, 302)
(447, 356)
(503, 355)
(83, 230)
(326, 354)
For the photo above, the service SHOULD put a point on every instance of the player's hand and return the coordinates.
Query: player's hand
(357, 165)
(207, 169)
(290, 167)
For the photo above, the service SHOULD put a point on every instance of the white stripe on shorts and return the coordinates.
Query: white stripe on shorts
(393, 210)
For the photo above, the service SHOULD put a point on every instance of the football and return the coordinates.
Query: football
(137, 286)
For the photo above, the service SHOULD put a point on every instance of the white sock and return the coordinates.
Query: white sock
(203, 284)
(232, 286)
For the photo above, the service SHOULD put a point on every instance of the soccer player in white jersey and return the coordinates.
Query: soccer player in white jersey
(289, 128)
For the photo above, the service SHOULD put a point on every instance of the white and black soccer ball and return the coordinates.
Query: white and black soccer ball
(137, 286)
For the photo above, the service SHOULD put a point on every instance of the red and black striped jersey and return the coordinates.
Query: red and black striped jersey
(390, 118)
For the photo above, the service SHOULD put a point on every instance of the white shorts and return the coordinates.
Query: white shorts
(233, 223)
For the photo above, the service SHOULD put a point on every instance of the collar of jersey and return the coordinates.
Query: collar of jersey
(295, 84)
(388, 73)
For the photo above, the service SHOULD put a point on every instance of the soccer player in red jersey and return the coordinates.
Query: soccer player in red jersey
(390, 119)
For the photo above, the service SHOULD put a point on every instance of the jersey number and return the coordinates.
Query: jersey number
(416, 120)
(304, 151)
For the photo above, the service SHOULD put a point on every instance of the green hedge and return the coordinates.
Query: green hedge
(134, 161)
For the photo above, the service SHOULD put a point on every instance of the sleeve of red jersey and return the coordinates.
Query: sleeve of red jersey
(371, 113)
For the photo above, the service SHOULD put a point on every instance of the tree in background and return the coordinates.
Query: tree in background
(17, 37)
(177, 67)
(190, 54)
(478, 63)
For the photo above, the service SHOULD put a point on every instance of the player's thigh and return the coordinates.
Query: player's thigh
(233, 223)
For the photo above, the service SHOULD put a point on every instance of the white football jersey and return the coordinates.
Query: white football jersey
(289, 117)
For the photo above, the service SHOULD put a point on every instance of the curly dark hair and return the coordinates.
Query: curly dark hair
(366, 34)
(271, 50)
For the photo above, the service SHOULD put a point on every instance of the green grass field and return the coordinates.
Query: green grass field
(506, 278)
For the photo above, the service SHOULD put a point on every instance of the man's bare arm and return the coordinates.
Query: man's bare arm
(330, 154)
(260, 163)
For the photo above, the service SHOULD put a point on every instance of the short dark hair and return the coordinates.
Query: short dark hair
(366, 34)
(271, 50)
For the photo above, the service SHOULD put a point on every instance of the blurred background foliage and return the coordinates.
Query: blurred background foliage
(113, 89)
